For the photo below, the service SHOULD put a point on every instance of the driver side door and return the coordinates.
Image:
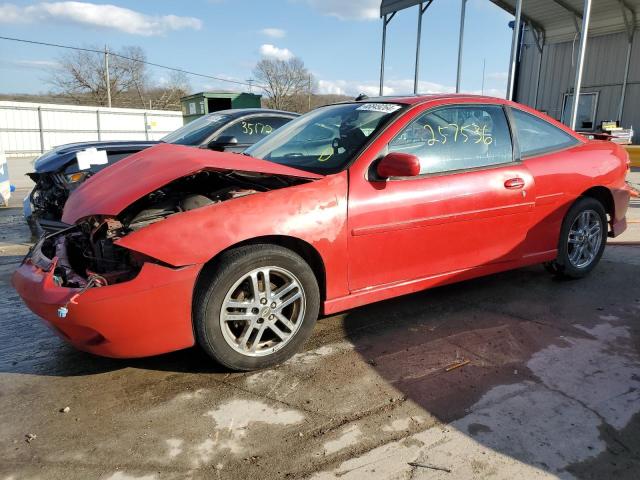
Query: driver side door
(471, 205)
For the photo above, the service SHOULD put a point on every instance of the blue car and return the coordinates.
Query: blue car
(59, 171)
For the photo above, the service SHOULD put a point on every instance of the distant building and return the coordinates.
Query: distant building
(198, 104)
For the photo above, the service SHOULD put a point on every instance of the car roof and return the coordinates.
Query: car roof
(417, 99)
(241, 112)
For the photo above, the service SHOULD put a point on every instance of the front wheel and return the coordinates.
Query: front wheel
(582, 239)
(257, 307)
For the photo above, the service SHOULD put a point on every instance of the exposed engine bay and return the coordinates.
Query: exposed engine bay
(87, 254)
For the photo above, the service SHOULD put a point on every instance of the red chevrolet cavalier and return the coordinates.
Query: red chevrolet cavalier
(349, 204)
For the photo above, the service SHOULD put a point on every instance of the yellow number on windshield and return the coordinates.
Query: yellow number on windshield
(326, 154)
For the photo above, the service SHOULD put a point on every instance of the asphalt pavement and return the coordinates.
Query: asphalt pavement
(516, 375)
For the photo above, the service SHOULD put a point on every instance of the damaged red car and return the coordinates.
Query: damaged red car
(349, 204)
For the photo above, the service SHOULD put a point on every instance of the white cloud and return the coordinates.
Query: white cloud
(347, 9)
(10, 13)
(501, 76)
(328, 87)
(273, 32)
(41, 65)
(391, 87)
(38, 63)
(271, 51)
(394, 87)
(97, 15)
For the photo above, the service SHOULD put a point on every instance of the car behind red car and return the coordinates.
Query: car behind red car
(349, 204)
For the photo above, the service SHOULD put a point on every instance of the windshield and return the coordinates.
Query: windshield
(196, 132)
(325, 140)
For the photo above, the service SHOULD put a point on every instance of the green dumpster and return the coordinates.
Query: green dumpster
(198, 104)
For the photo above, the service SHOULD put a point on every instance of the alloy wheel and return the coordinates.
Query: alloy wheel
(585, 238)
(262, 311)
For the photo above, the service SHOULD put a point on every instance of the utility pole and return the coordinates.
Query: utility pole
(106, 74)
(309, 93)
(484, 65)
(250, 82)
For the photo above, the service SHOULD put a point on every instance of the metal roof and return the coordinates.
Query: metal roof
(390, 6)
(561, 19)
(422, 98)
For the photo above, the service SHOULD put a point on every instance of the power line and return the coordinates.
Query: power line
(69, 47)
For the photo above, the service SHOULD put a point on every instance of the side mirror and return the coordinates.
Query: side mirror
(398, 164)
(221, 142)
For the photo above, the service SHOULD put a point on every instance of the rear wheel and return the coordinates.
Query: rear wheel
(257, 307)
(582, 239)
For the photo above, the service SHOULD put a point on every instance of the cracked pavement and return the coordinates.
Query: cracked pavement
(551, 390)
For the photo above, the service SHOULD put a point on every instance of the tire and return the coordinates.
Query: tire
(255, 335)
(566, 265)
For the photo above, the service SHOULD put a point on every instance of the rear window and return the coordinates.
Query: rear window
(537, 136)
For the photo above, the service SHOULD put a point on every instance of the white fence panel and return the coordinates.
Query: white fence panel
(30, 128)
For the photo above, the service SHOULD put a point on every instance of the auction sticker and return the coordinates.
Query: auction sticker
(379, 107)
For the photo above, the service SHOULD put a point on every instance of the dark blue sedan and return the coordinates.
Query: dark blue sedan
(61, 170)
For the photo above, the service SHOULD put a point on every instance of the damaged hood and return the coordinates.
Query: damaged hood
(112, 190)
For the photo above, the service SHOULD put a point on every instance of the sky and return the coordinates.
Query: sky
(338, 40)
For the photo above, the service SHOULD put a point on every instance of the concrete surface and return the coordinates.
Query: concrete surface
(18, 168)
(551, 390)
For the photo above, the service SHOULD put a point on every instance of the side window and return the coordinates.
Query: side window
(250, 130)
(537, 136)
(457, 138)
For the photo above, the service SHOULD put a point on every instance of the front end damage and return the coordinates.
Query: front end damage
(46, 200)
(112, 301)
(89, 250)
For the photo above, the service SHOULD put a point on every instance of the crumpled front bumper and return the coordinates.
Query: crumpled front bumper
(148, 315)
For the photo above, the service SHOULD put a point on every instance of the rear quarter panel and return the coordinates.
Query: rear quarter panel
(562, 177)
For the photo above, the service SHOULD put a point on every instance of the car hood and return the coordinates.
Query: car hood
(58, 158)
(112, 190)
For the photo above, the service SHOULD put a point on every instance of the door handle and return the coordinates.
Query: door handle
(514, 183)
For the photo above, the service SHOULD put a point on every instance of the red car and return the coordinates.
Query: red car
(349, 204)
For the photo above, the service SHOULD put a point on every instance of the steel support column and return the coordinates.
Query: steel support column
(417, 67)
(630, 25)
(385, 21)
(460, 44)
(586, 15)
(625, 79)
(416, 76)
(540, 39)
(514, 50)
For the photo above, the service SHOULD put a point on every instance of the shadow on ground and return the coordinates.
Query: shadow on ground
(553, 378)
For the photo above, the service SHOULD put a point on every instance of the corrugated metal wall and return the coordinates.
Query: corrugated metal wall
(603, 73)
(31, 128)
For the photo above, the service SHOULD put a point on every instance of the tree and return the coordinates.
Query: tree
(82, 74)
(284, 82)
(168, 94)
(81, 77)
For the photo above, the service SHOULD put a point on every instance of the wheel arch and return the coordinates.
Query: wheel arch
(308, 253)
(605, 197)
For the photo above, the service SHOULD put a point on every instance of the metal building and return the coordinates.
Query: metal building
(552, 61)
(549, 53)
(198, 104)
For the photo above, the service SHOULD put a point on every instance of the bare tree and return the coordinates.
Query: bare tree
(168, 94)
(284, 82)
(136, 70)
(82, 74)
